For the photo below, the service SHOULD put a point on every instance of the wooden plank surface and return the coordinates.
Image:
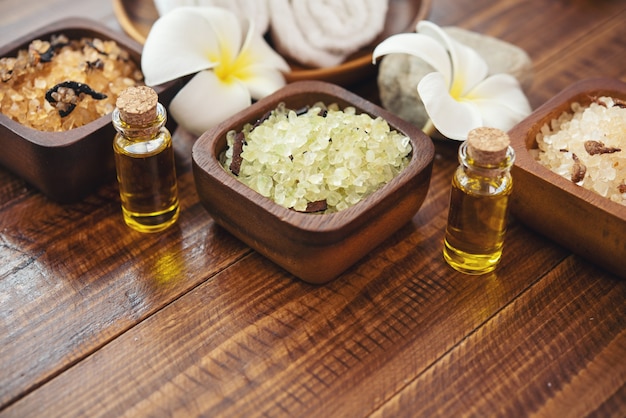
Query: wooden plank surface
(393, 309)
(96, 320)
(533, 359)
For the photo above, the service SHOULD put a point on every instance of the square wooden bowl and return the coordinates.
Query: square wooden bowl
(67, 165)
(580, 220)
(314, 247)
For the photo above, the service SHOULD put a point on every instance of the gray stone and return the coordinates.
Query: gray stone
(399, 74)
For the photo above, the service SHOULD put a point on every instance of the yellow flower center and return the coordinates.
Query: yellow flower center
(230, 69)
(456, 90)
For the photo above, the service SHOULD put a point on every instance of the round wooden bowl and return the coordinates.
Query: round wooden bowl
(137, 16)
(314, 247)
(580, 220)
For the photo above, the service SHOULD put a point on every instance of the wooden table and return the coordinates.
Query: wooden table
(97, 320)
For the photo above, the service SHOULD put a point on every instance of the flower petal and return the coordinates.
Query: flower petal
(259, 67)
(207, 101)
(227, 30)
(421, 46)
(501, 101)
(258, 52)
(468, 67)
(178, 45)
(452, 118)
(261, 81)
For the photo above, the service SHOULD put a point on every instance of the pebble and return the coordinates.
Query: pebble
(399, 74)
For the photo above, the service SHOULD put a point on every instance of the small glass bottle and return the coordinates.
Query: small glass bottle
(479, 197)
(144, 161)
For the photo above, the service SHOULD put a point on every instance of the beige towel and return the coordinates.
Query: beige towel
(323, 33)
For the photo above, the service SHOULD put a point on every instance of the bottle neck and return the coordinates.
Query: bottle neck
(487, 170)
(142, 132)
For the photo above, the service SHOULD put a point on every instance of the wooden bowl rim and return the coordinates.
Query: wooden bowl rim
(422, 155)
(525, 132)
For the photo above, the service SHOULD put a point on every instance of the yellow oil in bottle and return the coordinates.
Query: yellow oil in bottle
(144, 160)
(147, 180)
(479, 197)
(476, 228)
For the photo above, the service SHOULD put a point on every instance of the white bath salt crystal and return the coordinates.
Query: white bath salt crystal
(264, 185)
(342, 205)
(324, 154)
(354, 162)
(607, 172)
(300, 205)
(601, 187)
(300, 191)
(332, 198)
(361, 179)
(16, 97)
(353, 198)
(603, 121)
(593, 162)
(40, 83)
(279, 194)
(316, 178)
(403, 143)
(290, 201)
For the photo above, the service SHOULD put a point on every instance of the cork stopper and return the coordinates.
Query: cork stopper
(487, 146)
(138, 105)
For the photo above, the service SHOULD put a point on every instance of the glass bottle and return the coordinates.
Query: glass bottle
(479, 197)
(144, 161)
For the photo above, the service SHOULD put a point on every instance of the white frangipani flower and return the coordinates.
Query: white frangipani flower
(460, 95)
(233, 63)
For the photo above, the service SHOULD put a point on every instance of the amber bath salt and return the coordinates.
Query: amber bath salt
(318, 159)
(60, 84)
(588, 147)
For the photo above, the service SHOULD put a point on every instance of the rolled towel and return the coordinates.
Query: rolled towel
(323, 33)
(255, 10)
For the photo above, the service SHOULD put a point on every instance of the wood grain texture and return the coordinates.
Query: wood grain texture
(75, 279)
(96, 320)
(530, 359)
(268, 346)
